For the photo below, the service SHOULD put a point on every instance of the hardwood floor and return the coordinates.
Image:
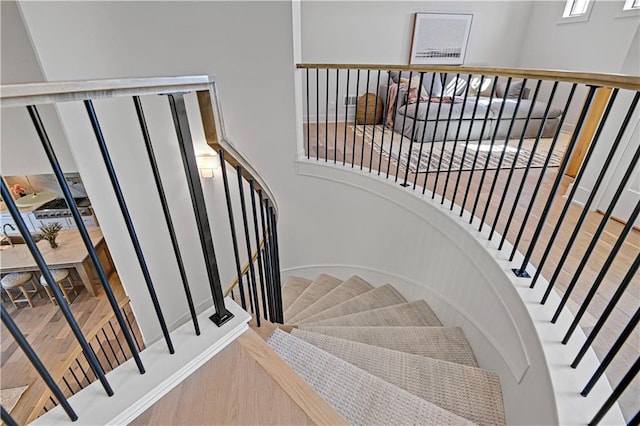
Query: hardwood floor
(359, 150)
(47, 331)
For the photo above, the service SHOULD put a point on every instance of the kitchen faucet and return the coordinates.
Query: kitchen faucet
(4, 233)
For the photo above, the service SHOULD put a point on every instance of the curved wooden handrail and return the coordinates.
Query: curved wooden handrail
(597, 79)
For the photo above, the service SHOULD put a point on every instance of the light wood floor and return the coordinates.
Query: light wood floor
(625, 308)
(53, 341)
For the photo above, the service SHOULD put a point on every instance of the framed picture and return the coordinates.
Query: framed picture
(440, 38)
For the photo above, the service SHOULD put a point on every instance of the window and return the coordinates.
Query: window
(575, 8)
(631, 5)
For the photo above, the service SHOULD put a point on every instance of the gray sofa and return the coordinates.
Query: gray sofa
(430, 118)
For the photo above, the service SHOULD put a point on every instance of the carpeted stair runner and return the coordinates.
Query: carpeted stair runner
(317, 289)
(349, 289)
(416, 313)
(446, 343)
(293, 287)
(379, 297)
(469, 392)
(360, 397)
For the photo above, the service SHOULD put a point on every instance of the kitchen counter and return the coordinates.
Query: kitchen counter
(70, 253)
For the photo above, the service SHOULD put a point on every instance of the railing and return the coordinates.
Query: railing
(203, 91)
(499, 146)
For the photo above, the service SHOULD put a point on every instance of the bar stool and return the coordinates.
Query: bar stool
(17, 281)
(63, 279)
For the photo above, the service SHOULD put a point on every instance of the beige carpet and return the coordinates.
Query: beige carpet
(379, 297)
(469, 392)
(318, 288)
(350, 288)
(292, 289)
(360, 397)
(406, 314)
(442, 152)
(10, 397)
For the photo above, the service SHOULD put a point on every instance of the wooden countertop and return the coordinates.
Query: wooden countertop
(70, 250)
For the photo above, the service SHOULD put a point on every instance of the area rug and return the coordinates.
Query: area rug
(9, 397)
(437, 156)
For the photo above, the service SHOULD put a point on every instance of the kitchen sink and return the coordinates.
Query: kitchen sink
(17, 239)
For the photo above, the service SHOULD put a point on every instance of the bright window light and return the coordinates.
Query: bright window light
(575, 8)
(631, 5)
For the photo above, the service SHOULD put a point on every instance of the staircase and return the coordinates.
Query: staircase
(378, 359)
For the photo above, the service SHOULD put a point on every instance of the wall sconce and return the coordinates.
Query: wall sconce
(208, 165)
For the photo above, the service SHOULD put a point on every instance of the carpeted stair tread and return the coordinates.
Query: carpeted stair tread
(360, 397)
(350, 288)
(317, 289)
(445, 343)
(293, 287)
(416, 313)
(469, 392)
(379, 297)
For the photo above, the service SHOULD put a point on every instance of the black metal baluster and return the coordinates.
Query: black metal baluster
(395, 115)
(384, 124)
(181, 124)
(276, 258)
(335, 126)
(404, 121)
(267, 256)
(8, 420)
(515, 158)
(432, 142)
(326, 121)
(75, 378)
(84, 373)
(424, 128)
(596, 185)
(635, 421)
(124, 210)
(256, 232)
(524, 274)
(106, 357)
(624, 383)
(489, 155)
(308, 121)
(475, 157)
(375, 123)
(35, 361)
(165, 210)
(455, 140)
(234, 237)
(135, 339)
(66, 383)
(569, 198)
(106, 338)
(346, 118)
(504, 150)
(466, 143)
(82, 229)
(317, 114)
(252, 273)
(556, 183)
(115, 336)
(444, 141)
(364, 124)
(607, 311)
(355, 121)
(51, 282)
(413, 132)
(598, 281)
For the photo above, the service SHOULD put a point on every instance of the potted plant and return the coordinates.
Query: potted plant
(50, 232)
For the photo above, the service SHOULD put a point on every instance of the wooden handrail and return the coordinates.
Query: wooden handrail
(597, 79)
(244, 270)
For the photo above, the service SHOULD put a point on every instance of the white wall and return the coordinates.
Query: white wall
(21, 149)
(247, 45)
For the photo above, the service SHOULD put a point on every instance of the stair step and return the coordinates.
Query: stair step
(379, 297)
(416, 313)
(469, 392)
(360, 397)
(292, 289)
(317, 289)
(352, 287)
(445, 343)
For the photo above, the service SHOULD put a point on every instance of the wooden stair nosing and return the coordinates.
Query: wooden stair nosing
(350, 288)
